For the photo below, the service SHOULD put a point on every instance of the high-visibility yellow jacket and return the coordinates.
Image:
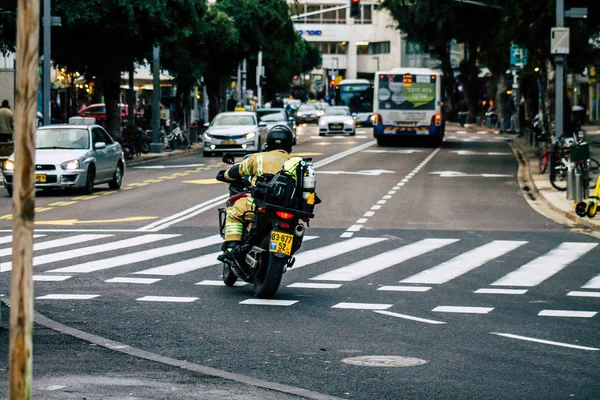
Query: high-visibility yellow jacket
(257, 164)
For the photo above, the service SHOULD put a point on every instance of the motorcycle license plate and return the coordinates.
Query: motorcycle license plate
(281, 243)
(228, 141)
(40, 178)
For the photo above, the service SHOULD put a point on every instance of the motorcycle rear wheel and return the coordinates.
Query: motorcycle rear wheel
(145, 147)
(268, 277)
(229, 278)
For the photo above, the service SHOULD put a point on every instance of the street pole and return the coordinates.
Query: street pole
(131, 97)
(21, 289)
(559, 75)
(259, 69)
(238, 84)
(155, 146)
(244, 75)
(46, 70)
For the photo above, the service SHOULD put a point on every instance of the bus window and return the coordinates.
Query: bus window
(358, 97)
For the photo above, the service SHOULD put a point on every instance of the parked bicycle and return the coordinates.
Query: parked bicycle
(176, 138)
(575, 156)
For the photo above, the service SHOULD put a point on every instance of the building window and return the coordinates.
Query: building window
(313, 18)
(331, 47)
(366, 14)
(362, 48)
(379, 48)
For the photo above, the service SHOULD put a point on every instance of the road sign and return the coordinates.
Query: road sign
(559, 41)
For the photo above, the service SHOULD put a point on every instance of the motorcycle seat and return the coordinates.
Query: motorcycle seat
(235, 198)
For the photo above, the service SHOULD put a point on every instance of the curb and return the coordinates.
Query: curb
(167, 154)
(524, 163)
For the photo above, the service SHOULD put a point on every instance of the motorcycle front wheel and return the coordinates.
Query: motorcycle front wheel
(145, 147)
(229, 278)
(268, 277)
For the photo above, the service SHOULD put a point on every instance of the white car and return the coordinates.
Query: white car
(77, 155)
(234, 132)
(337, 119)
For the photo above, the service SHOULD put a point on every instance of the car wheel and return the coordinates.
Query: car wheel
(89, 180)
(353, 133)
(117, 178)
(321, 133)
(206, 154)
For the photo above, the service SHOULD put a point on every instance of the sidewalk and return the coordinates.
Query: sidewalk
(143, 158)
(68, 368)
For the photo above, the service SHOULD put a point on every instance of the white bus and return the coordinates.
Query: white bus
(408, 103)
(357, 94)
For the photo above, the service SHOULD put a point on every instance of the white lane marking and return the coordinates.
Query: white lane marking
(143, 281)
(54, 387)
(361, 220)
(396, 188)
(594, 283)
(383, 261)
(140, 256)
(168, 299)
(366, 172)
(347, 235)
(85, 251)
(354, 228)
(410, 317)
(183, 266)
(482, 132)
(51, 278)
(463, 310)
(405, 288)
(309, 285)
(169, 166)
(530, 339)
(583, 294)
(457, 174)
(407, 151)
(343, 154)
(567, 313)
(542, 268)
(269, 302)
(8, 239)
(464, 263)
(362, 306)
(461, 132)
(208, 282)
(309, 257)
(375, 207)
(382, 202)
(501, 291)
(369, 214)
(68, 297)
(51, 244)
(487, 153)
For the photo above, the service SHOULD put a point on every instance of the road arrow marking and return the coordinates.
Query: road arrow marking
(169, 166)
(70, 222)
(455, 174)
(369, 172)
(470, 153)
(407, 151)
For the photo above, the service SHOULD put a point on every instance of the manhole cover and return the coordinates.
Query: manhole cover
(385, 361)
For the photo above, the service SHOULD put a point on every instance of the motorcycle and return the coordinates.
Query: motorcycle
(273, 230)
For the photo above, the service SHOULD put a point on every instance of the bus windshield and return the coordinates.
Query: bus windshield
(406, 92)
(358, 97)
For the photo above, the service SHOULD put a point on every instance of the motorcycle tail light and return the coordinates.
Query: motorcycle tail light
(284, 215)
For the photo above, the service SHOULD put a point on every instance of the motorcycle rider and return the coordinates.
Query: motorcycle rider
(279, 148)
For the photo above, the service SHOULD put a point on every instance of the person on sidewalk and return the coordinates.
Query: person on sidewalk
(509, 110)
(7, 127)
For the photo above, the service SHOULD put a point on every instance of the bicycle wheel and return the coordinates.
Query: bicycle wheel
(558, 176)
(593, 171)
(184, 142)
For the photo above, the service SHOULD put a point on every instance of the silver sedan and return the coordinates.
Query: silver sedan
(76, 155)
(234, 132)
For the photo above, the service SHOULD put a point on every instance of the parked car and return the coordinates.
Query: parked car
(337, 119)
(235, 131)
(77, 155)
(276, 116)
(98, 111)
(307, 113)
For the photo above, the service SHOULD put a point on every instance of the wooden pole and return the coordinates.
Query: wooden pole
(21, 290)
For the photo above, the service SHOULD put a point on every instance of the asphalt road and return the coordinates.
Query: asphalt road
(417, 255)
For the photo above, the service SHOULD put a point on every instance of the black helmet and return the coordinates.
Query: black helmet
(280, 137)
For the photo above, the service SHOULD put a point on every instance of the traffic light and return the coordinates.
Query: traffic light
(262, 80)
(355, 9)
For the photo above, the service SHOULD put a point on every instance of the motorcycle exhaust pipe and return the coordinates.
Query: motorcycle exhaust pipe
(299, 230)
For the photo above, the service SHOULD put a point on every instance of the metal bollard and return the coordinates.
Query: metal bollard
(570, 183)
(578, 195)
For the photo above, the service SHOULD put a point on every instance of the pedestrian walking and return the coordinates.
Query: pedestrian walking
(509, 110)
(7, 126)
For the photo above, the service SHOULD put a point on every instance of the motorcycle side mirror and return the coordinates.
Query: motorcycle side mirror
(228, 158)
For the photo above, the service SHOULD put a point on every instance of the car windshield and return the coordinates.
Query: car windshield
(337, 111)
(271, 116)
(68, 138)
(231, 120)
(307, 108)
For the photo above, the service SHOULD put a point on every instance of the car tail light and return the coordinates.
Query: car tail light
(376, 119)
(284, 215)
(436, 120)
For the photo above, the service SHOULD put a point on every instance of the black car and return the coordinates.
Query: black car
(307, 114)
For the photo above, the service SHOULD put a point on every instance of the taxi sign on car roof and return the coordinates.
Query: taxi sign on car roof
(82, 121)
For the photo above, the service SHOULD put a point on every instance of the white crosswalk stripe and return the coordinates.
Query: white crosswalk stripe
(155, 256)
(542, 268)
(8, 239)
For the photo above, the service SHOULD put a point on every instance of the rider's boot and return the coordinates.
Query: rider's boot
(229, 247)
